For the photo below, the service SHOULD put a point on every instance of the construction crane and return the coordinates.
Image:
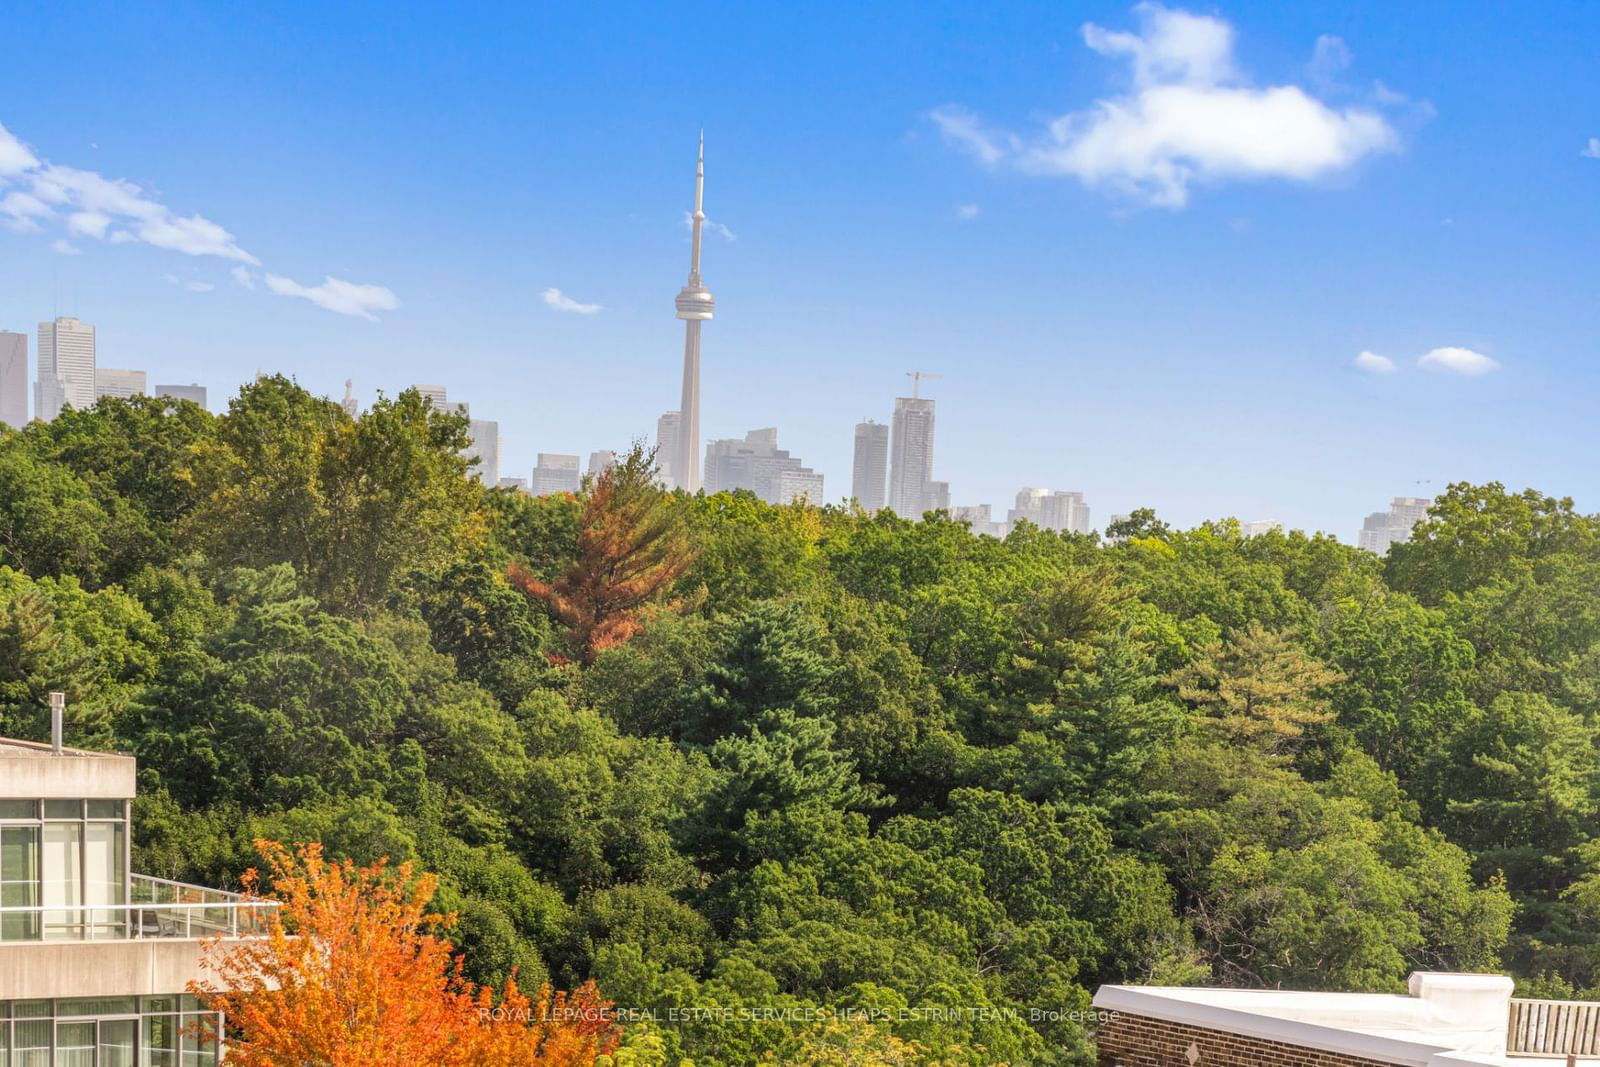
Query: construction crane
(916, 377)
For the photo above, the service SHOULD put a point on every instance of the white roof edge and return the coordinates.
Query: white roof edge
(1154, 1002)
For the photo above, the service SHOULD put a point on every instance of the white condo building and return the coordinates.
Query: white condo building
(66, 367)
(979, 519)
(485, 448)
(869, 477)
(667, 427)
(13, 379)
(196, 393)
(600, 461)
(115, 382)
(555, 473)
(755, 463)
(1060, 510)
(911, 457)
(95, 959)
(1384, 528)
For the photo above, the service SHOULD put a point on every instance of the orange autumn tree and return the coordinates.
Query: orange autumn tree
(632, 545)
(348, 975)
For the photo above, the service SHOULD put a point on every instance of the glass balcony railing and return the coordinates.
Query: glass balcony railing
(157, 908)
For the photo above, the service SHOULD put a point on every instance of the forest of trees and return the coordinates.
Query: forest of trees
(877, 786)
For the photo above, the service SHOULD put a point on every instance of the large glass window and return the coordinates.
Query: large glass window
(108, 1032)
(67, 860)
(32, 1038)
(75, 1044)
(116, 1042)
(104, 878)
(19, 882)
(62, 866)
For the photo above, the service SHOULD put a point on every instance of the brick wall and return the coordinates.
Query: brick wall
(1139, 1041)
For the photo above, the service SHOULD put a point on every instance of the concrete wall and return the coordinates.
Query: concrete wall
(97, 969)
(31, 774)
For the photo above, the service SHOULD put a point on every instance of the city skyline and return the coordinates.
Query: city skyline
(1294, 338)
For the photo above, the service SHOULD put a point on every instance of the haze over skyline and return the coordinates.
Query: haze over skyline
(1235, 260)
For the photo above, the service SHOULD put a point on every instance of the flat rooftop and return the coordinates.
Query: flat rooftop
(31, 770)
(1445, 1020)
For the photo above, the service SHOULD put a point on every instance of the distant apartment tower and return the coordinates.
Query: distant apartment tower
(979, 519)
(1060, 510)
(869, 480)
(911, 456)
(667, 447)
(519, 484)
(196, 393)
(1384, 528)
(485, 448)
(66, 367)
(555, 473)
(1257, 527)
(600, 461)
(118, 383)
(756, 463)
(350, 404)
(13, 379)
(435, 394)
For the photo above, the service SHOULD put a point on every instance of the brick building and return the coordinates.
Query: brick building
(1446, 1020)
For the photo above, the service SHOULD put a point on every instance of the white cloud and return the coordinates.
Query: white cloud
(189, 286)
(1373, 363)
(65, 247)
(965, 130)
(89, 224)
(1592, 149)
(1458, 361)
(1191, 117)
(1329, 59)
(336, 294)
(711, 226)
(14, 155)
(967, 212)
(90, 203)
(562, 302)
(86, 203)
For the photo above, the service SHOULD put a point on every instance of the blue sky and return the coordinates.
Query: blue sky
(1145, 247)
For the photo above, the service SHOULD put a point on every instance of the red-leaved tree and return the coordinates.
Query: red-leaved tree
(632, 545)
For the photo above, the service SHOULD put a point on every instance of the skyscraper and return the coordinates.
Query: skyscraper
(66, 366)
(113, 381)
(1384, 528)
(485, 448)
(869, 479)
(555, 473)
(1060, 510)
(600, 461)
(433, 393)
(756, 463)
(695, 305)
(667, 447)
(351, 405)
(911, 456)
(197, 393)
(13, 379)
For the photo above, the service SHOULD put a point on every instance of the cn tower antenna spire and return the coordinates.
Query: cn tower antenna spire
(695, 304)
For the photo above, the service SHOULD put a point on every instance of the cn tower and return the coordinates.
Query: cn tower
(695, 304)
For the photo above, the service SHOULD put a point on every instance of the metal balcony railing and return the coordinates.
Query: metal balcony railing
(158, 908)
(1553, 1028)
